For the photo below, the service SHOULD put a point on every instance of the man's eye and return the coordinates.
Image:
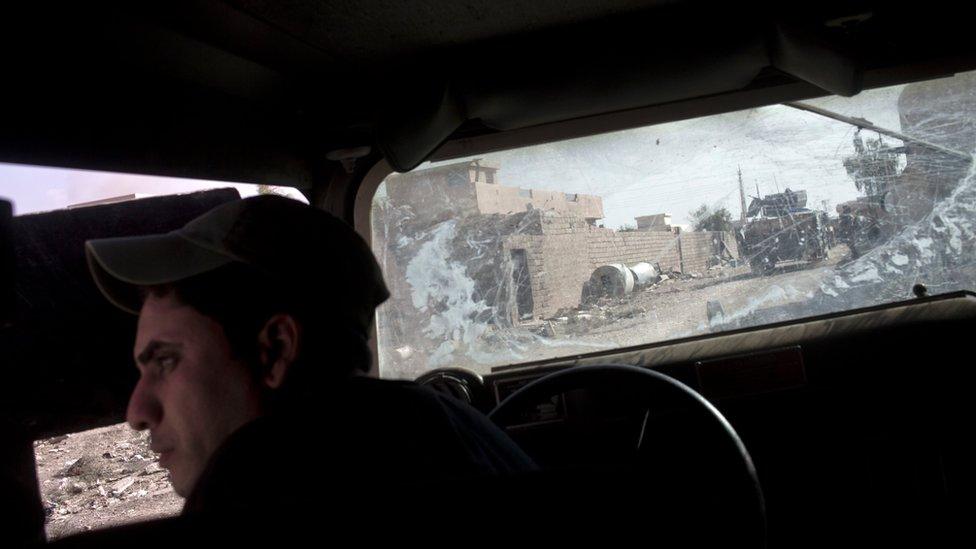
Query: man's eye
(166, 362)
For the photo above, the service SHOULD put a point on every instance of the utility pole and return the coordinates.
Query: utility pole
(742, 197)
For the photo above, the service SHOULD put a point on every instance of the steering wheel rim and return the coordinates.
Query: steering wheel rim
(581, 377)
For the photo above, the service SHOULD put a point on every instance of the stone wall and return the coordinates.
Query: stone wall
(567, 252)
(558, 266)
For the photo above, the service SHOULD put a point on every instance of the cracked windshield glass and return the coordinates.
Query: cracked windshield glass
(679, 229)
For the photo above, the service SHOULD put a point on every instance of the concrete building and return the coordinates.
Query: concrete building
(656, 222)
(471, 187)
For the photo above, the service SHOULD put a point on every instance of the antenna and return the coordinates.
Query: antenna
(742, 196)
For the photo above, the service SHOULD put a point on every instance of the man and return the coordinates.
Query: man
(848, 230)
(252, 333)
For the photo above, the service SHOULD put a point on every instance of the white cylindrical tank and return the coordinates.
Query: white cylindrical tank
(644, 274)
(613, 280)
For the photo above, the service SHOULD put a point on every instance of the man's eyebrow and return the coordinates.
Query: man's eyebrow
(154, 347)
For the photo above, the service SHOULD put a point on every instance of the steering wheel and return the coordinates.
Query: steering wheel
(733, 482)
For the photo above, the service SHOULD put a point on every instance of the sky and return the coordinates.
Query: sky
(676, 167)
(37, 189)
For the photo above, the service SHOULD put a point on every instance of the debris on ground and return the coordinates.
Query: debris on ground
(100, 478)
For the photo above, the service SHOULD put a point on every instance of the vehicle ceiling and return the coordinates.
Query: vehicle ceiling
(261, 91)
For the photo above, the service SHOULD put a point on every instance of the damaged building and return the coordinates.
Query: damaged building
(470, 257)
(471, 188)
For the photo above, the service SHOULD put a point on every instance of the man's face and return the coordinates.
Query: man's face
(191, 392)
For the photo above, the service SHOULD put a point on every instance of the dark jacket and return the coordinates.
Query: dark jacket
(363, 439)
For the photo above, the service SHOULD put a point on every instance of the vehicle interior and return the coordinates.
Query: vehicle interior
(843, 425)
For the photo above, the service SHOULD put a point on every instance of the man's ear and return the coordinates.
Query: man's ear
(278, 343)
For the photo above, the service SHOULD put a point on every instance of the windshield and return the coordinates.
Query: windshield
(680, 229)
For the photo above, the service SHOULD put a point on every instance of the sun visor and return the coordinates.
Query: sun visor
(563, 76)
(563, 84)
(421, 121)
(806, 56)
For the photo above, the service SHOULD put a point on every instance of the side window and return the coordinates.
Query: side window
(99, 478)
(106, 476)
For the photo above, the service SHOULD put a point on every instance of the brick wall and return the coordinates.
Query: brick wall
(698, 249)
(607, 246)
(567, 252)
(558, 266)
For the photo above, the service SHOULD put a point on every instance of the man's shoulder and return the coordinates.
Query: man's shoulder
(399, 392)
(365, 425)
(384, 392)
(400, 401)
(449, 422)
(416, 419)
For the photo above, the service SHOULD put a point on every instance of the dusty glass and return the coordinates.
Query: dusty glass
(679, 229)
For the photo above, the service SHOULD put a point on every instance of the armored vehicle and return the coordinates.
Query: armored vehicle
(780, 228)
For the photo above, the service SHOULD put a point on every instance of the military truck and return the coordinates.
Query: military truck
(780, 228)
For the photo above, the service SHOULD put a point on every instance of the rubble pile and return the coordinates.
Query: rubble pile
(101, 477)
(598, 311)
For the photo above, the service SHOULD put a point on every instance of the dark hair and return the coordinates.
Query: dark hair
(242, 299)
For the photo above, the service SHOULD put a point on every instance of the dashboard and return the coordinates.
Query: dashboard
(790, 390)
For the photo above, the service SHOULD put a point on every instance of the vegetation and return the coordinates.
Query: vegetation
(706, 219)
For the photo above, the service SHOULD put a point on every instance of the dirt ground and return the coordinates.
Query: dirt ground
(675, 307)
(100, 478)
(678, 307)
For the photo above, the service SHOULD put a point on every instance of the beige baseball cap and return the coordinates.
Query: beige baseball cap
(287, 240)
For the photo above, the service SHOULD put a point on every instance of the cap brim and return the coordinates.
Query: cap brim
(120, 266)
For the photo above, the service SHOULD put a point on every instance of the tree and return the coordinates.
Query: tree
(705, 219)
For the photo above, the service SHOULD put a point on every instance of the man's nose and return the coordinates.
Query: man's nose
(145, 410)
